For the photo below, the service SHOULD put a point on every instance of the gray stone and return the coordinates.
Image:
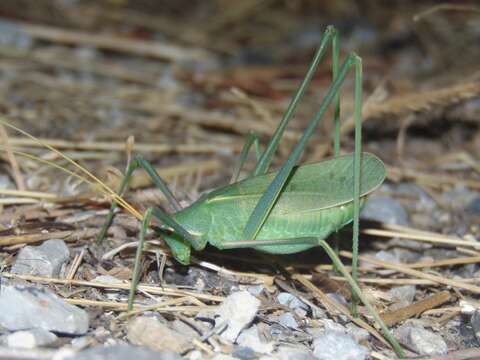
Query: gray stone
(27, 307)
(474, 206)
(396, 256)
(194, 355)
(184, 329)
(359, 334)
(288, 320)
(6, 183)
(328, 326)
(339, 298)
(238, 310)
(29, 339)
(149, 331)
(12, 35)
(475, 322)
(385, 210)
(403, 294)
(124, 352)
(251, 339)
(423, 201)
(244, 353)
(387, 256)
(256, 290)
(421, 340)
(290, 353)
(338, 346)
(460, 197)
(291, 301)
(44, 260)
(223, 357)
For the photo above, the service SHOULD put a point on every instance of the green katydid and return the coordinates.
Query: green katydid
(280, 212)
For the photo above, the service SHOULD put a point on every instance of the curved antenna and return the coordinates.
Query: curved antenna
(94, 180)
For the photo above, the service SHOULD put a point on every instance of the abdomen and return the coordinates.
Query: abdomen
(319, 223)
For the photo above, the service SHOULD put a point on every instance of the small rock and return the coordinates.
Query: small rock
(81, 342)
(29, 339)
(256, 290)
(223, 357)
(288, 320)
(359, 334)
(12, 35)
(6, 182)
(423, 201)
(194, 355)
(338, 346)
(338, 298)
(238, 311)
(291, 301)
(474, 206)
(404, 294)
(396, 255)
(44, 260)
(328, 326)
(244, 353)
(149, 331)
(387, 256)
(251, 339)
(475, 321)
(460, 198)
(123, 352)
(421, 340)
(184, 329)
(288, 353)
(385, 210)
(28, 307)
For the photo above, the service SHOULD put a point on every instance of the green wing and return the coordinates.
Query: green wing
(311, 187)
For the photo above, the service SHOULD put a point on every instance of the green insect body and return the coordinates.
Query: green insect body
(282, 212)
(316, 201)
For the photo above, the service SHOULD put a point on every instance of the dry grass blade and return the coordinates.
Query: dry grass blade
(433, 180)
(120, 146)
(404, 105)
(120, 306)
(440, 239)
(30, 194)
(68, 235)
(164, 290)
(11, 158)
(131, 46)
(415, 273)
(396, 316)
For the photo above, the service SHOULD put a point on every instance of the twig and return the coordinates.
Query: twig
(467, 354)
(120, 146)
(75, 265)
(124, 286)
(394, 317)
(13, 161)
(406, 270)
(104, 41)
(33, 238)
(420, 237)
(123, 306)
(434, 180)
